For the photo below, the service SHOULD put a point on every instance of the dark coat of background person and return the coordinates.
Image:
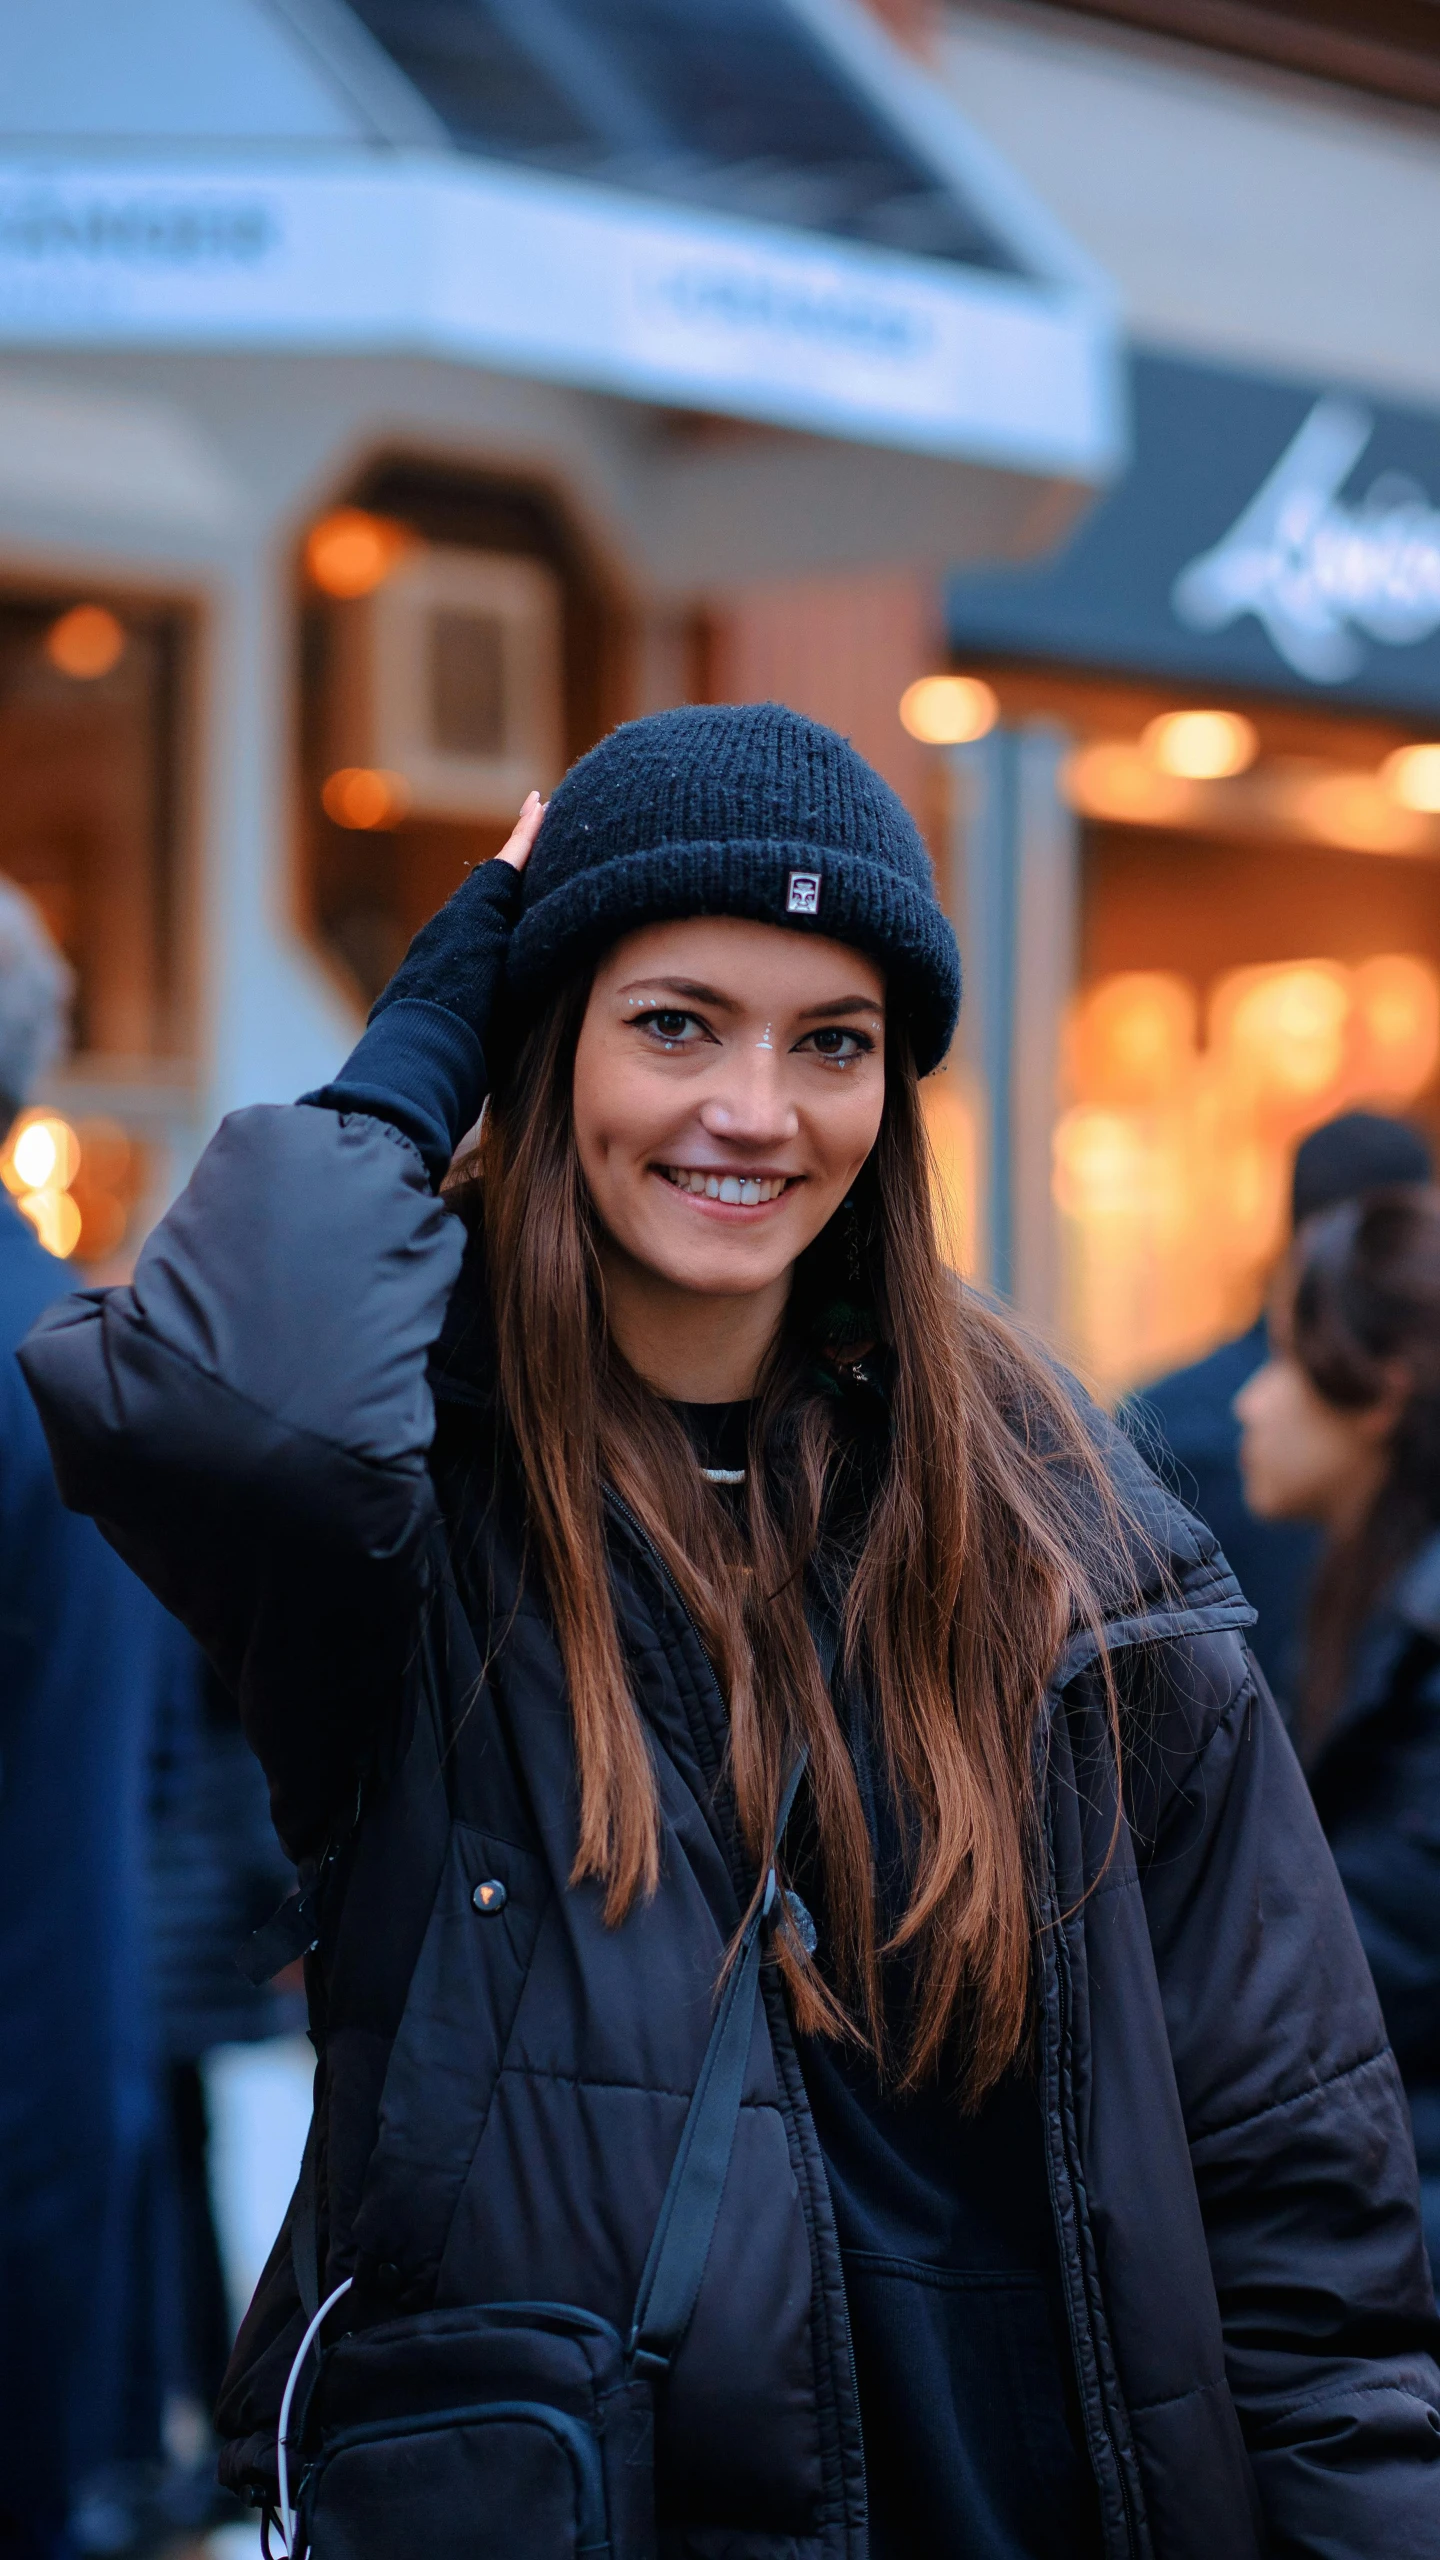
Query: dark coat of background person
(1376, 1782)
(1185, 1423)
(84, 1651)
(1185, 1426)
(215, 1872)
(278, 1444)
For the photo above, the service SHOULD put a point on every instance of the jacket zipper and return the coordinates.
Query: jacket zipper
(1079, 2304)
(619, 1505)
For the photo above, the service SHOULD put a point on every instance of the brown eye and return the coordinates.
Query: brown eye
(835, 1042)
(670, 1028)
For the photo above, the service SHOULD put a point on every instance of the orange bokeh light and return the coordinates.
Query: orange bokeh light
(1132, 1038)
(363, 797)
(85, 643)
(949, 711)
(350, 553)
(1113, 778)
(1200, 746)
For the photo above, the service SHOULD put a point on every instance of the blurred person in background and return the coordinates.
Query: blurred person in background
(82, 1649)
(1341, 1427)
(1186, 1422)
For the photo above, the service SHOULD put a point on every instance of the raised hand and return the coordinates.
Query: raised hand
(516, 848)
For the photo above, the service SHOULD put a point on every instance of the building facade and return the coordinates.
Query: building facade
(390, 402)
(1200, 840)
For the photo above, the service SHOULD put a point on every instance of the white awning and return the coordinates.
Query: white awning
(566, 281)
(276, 174)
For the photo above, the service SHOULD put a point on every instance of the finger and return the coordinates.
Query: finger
(516, 848)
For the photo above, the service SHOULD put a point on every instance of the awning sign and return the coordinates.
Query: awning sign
(579, 283)
(1263, 536)
(1319, 575)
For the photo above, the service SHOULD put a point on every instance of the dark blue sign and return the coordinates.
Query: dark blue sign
(1264, 537)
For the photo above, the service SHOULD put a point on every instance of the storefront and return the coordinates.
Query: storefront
(1209, 814)
(383, 416)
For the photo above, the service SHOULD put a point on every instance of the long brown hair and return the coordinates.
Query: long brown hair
(978, 1550)
(1359, 1299)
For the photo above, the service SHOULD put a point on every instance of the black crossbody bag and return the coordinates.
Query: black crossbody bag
(522, 2427)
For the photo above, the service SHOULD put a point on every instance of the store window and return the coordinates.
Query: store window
(459, 646)
(90, 689)
(1259, 949)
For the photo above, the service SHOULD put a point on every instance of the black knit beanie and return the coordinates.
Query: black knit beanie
(736, 809)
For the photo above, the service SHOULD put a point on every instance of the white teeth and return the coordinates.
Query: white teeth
(748, 1191)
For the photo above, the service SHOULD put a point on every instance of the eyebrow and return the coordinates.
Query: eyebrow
(699, 993)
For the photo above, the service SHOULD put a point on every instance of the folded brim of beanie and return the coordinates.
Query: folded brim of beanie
(807, 888)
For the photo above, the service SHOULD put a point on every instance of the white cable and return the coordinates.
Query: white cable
(282, 2458)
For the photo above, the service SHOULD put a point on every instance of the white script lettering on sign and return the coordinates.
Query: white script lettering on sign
(1316, 571)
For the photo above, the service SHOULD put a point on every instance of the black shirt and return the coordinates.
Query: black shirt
(973, 2446)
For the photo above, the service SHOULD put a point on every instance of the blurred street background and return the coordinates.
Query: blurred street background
(395, 394)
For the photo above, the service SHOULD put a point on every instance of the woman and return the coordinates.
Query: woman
(1342, 1426)
(684, 1568)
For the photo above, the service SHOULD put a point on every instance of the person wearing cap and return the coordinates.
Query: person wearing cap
(1185, 1423)
(781, 1793)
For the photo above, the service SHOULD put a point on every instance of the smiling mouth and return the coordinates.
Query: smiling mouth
(736, 1190)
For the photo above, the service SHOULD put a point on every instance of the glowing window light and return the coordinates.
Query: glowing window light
(363, 797)
(949, 711)
(351, 553)
(1397, 1022)
(951, 1127)
(1356, 813)
(1281, 1031)
(1102, 1166)
(40, 1161)
(1111, 778)
(36, 1156)
(55, 1219)
(43, 1153)
(1132, 1039)
(1412, 776)
(85, 643)
(1200, 746)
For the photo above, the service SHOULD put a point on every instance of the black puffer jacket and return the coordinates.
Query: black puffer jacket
(1230, 2166)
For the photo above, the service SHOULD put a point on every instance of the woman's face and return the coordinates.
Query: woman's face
(1303, 1458)
(729, 1084)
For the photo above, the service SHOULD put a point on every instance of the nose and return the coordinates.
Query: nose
(749, 1107)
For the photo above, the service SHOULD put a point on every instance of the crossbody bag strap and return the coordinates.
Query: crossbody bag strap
(305, 2227)
(680, 2248)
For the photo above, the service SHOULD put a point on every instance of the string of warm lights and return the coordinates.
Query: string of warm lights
(1201, 768)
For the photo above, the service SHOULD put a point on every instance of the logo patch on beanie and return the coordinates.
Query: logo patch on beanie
(803, 895)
